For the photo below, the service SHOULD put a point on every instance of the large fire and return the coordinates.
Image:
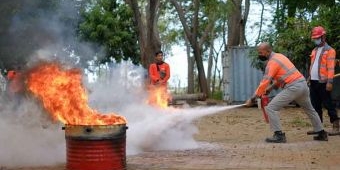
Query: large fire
(64, 97)
(158, 96)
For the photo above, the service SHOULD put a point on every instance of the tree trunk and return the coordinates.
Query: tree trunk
(195, 42)
(210, 62)
(261, 23)
(197, 51)
(146, 25)
(153, 40)
(200, 68)
(216, 69)
(243, 22)
(191, 62)
(234, 23)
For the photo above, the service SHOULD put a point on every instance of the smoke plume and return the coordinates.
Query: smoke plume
(30, 138)
(150, 128)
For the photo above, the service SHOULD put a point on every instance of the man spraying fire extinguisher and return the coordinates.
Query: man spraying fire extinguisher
(282, 71)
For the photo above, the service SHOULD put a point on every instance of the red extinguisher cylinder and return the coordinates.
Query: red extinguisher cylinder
(264, 103)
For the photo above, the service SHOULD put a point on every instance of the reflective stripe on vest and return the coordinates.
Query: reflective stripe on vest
(325, 61)
(288, 71)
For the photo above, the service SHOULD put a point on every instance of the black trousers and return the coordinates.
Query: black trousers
(321, 97)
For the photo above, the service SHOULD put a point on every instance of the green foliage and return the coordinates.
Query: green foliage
(209, 11)
(255, 62)
(287, 9)
(296, 44)
(328, 17)
(292, 38)
(109, 23)
(213, 11)
(217, 95)
(170, 33)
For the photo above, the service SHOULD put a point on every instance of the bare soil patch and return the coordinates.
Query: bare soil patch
(234, 139)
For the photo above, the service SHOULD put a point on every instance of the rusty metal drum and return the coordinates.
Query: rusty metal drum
(95, 147)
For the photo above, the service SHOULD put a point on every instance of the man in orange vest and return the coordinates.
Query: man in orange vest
(281, 70)
(159, 71)
(159, 74)
(321, 77)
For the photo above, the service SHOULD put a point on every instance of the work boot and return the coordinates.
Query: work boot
(322, 136)
(312, 132)
(278, 137)
(335, 130)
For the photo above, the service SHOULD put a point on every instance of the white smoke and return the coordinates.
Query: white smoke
(120, 90)
(28, 137)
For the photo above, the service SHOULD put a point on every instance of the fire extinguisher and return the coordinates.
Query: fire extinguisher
(264, 103)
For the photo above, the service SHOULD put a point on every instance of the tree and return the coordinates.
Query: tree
(261, 22)
(292, 35)
(287, 10)
(237, 22)
(109, 24)
(191, 25)
(328, 18)
(217, 32)
(145, 20)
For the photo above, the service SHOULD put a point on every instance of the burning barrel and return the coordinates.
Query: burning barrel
(95, 147)
(94, 141)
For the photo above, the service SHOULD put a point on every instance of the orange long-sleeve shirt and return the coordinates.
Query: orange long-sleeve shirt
(159, 73)
(278, 69)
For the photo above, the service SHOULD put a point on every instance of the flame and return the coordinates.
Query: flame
(64, 97)
(158, 96)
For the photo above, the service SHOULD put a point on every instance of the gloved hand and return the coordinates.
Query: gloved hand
(250, 102)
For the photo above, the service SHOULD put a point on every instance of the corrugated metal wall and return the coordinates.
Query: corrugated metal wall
(240, 79)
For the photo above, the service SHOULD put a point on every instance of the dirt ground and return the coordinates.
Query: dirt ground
(234, 139)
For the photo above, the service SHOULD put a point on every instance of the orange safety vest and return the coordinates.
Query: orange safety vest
(280, 70)
(326, 63)
(159, 72)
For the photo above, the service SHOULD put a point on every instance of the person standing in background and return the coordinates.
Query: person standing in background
(321, 74)
(159, 74)
(159, 71)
